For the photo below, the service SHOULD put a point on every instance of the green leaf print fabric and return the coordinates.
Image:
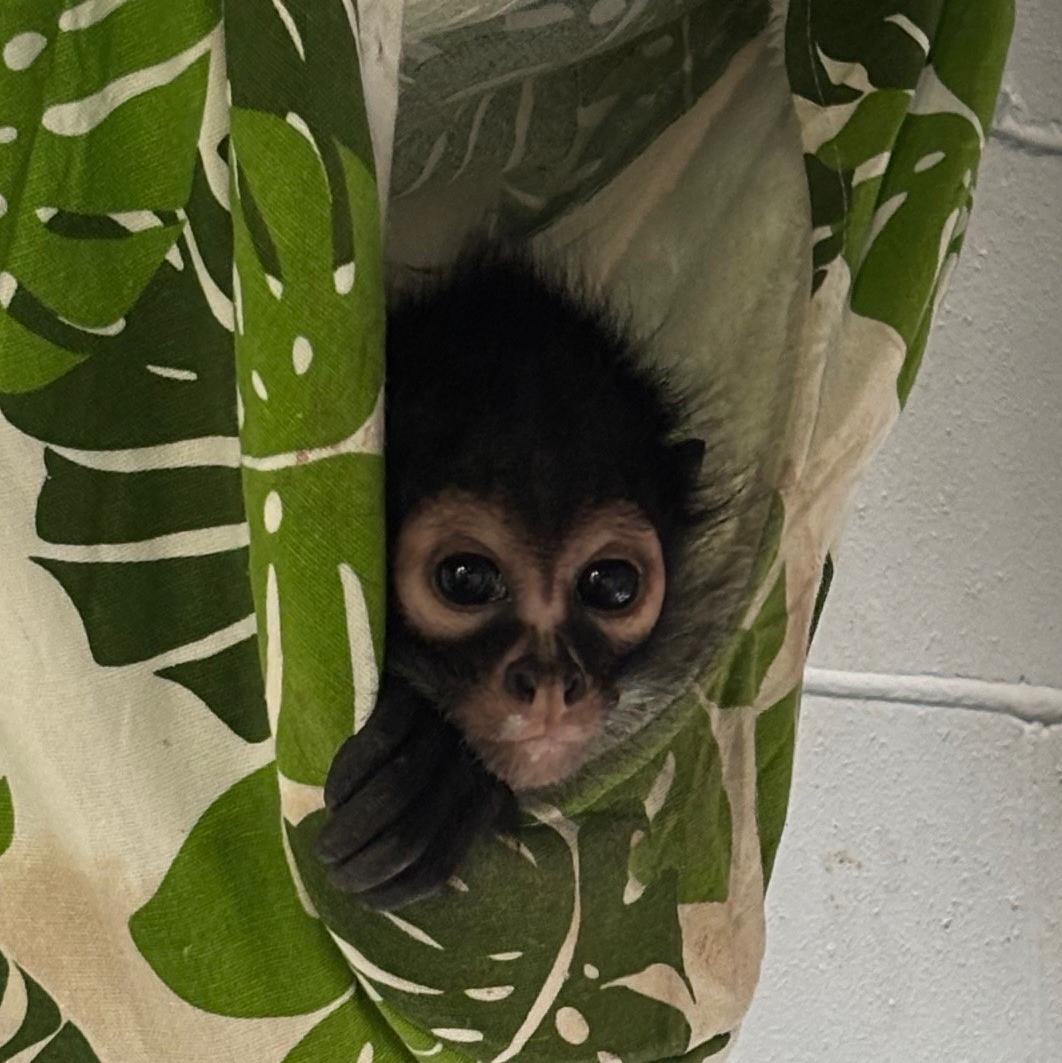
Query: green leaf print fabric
(198, 202)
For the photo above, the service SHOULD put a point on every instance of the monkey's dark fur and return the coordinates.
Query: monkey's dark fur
(504, 384)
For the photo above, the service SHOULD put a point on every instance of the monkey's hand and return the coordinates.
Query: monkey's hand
(406, 798)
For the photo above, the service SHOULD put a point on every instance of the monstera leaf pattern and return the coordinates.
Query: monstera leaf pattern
(118, 333)
(555, 132)
(7, 816)
(191, 320)
(123, 305)
(36, 1024)
(895, 103)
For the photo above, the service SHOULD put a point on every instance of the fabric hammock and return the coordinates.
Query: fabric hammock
(192, 588)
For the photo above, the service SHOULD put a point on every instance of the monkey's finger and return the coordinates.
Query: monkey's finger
(442, 857)
(398, 846)
(435, 866)
(364, 753)
(383, 798)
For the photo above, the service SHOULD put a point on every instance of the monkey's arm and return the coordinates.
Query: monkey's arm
(406, 799)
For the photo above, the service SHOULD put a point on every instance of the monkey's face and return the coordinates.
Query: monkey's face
(526, 638)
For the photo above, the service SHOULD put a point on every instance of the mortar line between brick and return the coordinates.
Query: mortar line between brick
(1032, 704)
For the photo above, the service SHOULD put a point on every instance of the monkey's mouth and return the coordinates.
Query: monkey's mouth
(529, 745)
(542, 760)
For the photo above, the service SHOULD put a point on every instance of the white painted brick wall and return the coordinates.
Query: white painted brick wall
(916, 910)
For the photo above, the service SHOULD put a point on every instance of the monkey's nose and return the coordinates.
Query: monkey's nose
(521, 679)
(574, 684)
(525, 676)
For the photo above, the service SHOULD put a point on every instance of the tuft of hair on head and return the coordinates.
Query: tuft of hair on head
(503, 379)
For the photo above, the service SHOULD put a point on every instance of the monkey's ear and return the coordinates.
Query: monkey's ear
(688, 457)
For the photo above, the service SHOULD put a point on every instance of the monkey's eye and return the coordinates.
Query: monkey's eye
(469, 579)
(608, 585)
